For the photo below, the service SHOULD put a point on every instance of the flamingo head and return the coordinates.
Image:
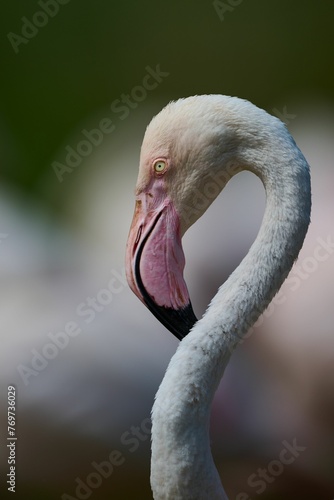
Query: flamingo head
(179, 155)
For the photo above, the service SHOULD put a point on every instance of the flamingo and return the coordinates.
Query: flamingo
(189, 152)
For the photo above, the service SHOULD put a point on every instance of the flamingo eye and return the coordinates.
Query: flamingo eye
(159, 166)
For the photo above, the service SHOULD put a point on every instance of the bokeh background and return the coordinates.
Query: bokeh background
(62, 242)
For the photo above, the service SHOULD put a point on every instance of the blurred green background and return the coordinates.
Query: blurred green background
(92, 52)
(279, 55)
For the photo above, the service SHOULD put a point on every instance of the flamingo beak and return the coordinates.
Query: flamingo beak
(155, 263)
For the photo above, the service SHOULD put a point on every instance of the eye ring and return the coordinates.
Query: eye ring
(159, 166)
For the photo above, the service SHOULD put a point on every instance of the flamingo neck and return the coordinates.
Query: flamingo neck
(182, 466)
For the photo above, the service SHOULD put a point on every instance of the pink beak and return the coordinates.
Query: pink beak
(155, 262)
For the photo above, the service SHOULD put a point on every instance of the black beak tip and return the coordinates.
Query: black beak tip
(178, 321)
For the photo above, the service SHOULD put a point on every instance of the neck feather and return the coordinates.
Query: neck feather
(182, 466)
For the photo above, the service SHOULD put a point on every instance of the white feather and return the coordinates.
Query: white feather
(208, 136)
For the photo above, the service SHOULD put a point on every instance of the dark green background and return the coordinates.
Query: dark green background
(91, 52)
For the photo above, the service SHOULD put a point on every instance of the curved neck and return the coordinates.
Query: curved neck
(182, 465)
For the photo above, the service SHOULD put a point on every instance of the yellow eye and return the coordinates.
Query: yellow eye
(159, 166)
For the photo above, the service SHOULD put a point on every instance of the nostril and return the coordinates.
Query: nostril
(137, 239)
